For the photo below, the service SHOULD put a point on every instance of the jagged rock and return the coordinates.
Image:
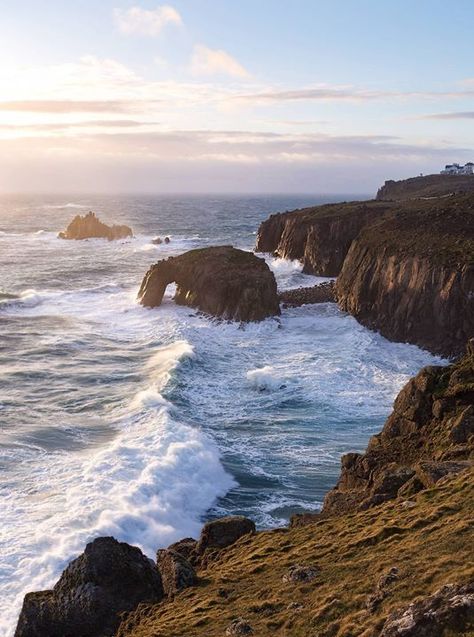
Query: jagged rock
(463, 426)
(415, 448)
(429, 473)
(184, 547)
(298, 574)
(221, 281)
(109, 578)
(322, 293)
(450, 609)
(223, 532)
(176, 572)
(411, 277)
(239, 627)
(319, 236)
(90, 227)
(167, 239)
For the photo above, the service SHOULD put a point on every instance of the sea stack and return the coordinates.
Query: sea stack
(221, 281)
(89, 226)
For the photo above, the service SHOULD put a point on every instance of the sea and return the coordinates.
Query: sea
(144, 423)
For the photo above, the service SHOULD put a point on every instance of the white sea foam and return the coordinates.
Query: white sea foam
(266, 378)
(149, 487)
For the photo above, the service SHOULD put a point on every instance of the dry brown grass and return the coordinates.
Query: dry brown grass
(431, 543)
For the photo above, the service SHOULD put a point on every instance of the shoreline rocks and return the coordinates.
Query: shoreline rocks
(90, 227)
(321, 293)
(221, 281)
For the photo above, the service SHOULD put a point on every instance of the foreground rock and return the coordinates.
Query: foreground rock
(429, 435)
(223, 532)
(411, 277)
(108, 579)
(322, 293)
(449, 611)
(90, 227)
(221, 281)
(176, 572)
(426, 187)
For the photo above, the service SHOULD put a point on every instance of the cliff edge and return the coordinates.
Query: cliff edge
(427, 186)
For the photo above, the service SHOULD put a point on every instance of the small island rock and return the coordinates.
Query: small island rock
(90, 227)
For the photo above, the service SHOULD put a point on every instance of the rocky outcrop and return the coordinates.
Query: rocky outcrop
(109, 578)
(223, 532)
(322, 293)
(449, 610)
(220, 281)
(90, 227)
(411, 277)
(321, 236)
(428, 436)
(426, 187)
(176, 572)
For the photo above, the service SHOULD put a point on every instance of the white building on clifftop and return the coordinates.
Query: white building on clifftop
(457, 169)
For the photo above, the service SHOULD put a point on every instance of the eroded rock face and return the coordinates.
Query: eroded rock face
(411, 277)
(221, 281)
(109, 578)
(90, 227)
(320, 237)
(322, 293)
(416, 448)
(450, 609)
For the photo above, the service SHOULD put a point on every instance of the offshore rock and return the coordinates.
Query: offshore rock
(221, 281)
(322, 293)
(109, 578)
(90, 227)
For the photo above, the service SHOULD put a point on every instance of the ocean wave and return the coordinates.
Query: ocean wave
(63, 205)
(266, 378)
(149, 487)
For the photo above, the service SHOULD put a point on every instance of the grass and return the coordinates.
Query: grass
(430, 542)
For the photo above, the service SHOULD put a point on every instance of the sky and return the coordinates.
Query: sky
(254, 96)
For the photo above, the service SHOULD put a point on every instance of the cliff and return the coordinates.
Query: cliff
(320, 236)
(220, 281)
(399, 566)
(411, 277)
(427, 186)
(90, 227)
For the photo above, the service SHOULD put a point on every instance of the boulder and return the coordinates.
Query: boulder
(90, 227)
(322, 293)
(298, 574)
(449, 611)
(109, 578)
(184, 547)
(239, 627)
(221, 281)
(176, 572)
(223, 532)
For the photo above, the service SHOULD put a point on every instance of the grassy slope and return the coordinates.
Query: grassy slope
(431, 543)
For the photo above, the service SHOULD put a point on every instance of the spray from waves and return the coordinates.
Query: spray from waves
(266, 379)
(63, 205)
(149, 487)
(289, 273)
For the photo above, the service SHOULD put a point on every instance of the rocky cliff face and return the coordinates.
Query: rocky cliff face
(221, 281)
(319, 237)
(427, 186)
(90, 227)
(411, 277)
(429, 435)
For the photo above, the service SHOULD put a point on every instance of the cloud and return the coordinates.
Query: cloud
(72, 106)
(145, 22)
(207, 61)
(458, 115)
(346, 93)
